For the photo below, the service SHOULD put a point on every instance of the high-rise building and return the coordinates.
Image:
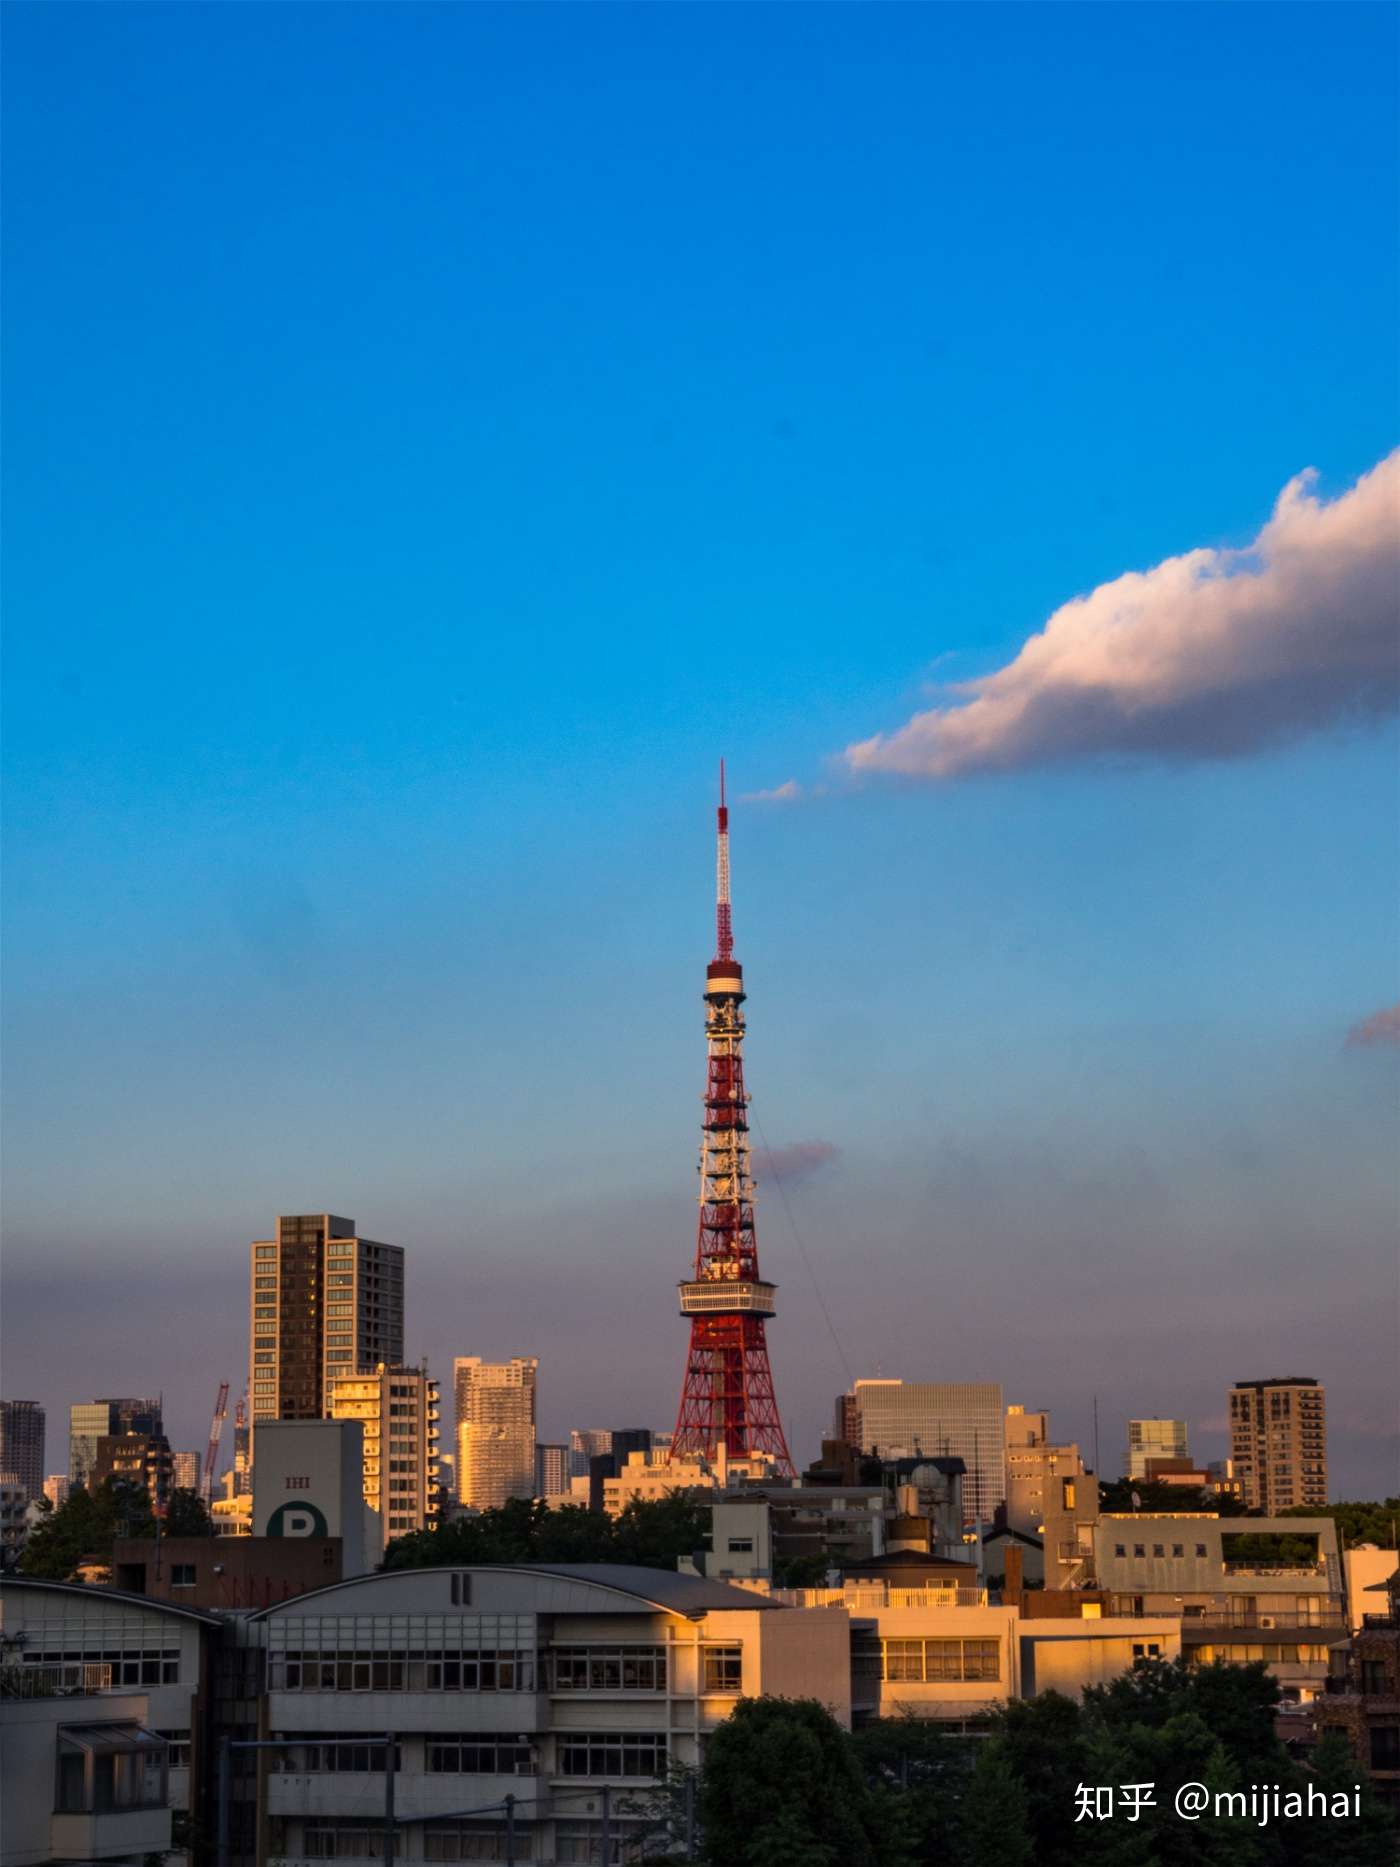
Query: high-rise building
(961, 1420)
(586, 1444)
(551, 1470)
(398, 1408)
(1040, 1476)
(1154, 1439)
(92, 1420)
(324, 1303)
(22, 1444)
(495, 1429)
(56, 1489)
(184, 1467)
(728, 1408)
(140, 1459)
(1278, 1442)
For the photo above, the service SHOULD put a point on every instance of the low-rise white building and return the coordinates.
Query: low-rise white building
(100, 1719)
(570, 1688)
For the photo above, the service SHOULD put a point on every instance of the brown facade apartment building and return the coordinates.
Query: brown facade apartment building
(324, 1303)
(1278, 1441)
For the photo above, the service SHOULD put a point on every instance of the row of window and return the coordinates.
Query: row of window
(1158, 1549)
(926, 1660)
(130, 1665)
(566, 1669)
(609, 1754)
(425, 1671)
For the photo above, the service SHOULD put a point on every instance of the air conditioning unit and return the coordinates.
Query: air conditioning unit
(1267, 1620)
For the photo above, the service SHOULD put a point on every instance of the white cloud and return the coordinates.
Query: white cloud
(1210, 655)
(786, 793)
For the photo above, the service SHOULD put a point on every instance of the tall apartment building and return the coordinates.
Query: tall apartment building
(185, 1470)
(324, 1303)
(551, 1470)
(1278, 1442)
(586, 1444)
(1154, 1439)
(22, 1444)
(495, 1429)
(92, 1420)
(398, 1408)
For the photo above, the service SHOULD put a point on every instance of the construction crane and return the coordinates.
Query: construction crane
(216, 1433)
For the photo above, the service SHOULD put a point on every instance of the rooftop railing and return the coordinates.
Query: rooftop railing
(74, 1680)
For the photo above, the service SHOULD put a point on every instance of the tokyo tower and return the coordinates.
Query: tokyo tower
(727, 1401)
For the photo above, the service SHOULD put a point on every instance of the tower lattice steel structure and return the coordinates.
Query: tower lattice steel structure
(727, 1402)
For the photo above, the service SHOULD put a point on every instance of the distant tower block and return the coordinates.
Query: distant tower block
(727, 1402)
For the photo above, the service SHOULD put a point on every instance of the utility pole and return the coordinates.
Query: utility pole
(690, 1815)
(510, 1831)
(389, 1760)
(607, 1826)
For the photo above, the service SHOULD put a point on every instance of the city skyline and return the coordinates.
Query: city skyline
(435, 495)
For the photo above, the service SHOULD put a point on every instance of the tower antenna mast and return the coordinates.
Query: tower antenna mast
(728, 1409)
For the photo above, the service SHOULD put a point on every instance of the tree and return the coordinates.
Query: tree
(1370, 1839)
(995, 1831)
(1043, 1742)
(186, 1514)
(650, 1534)
(1376, 1522)
(912, 1758)
(86, 1525)
(782, 1788)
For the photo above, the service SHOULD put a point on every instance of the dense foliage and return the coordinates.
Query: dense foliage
(85, 1527)
(1376, 1522)
(1116, 1495)
(784, 1784)
(652, 1535)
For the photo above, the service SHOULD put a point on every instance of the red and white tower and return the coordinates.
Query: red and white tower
(727, 1402)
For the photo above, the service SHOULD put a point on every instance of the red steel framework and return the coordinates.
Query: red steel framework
(727, 1401)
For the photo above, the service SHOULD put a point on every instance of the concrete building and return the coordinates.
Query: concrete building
(1154, 1439)
(1278, 1443)
(757, 1532)
(90, 1421)
(230, 1574)
(1234, 1602)
(1369, 1572)
(495, 1444)
(185, 1470)
(398, 1409)
(15, 1511)
(143, 1460)
(323, 1302)
(1036, 1468)
(569, 1687)
(586, 1443)
(904, 1419)
(22, 1444)
(56, 1489)
(308, 1481)
(551, 1470)
(104, 1719)
(1362, 1698)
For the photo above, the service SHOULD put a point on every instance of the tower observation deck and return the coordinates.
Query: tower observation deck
(727, 1400)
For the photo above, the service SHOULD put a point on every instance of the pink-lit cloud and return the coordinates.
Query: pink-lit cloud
(1213, 654)
(795, 1161)
(1382, 1027)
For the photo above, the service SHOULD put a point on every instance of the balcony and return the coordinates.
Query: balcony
(77, 1680)
(109, 1834)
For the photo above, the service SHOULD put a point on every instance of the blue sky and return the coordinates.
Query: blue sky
(435, 435)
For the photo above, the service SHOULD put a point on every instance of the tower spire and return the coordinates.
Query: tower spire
(724, 917)
(727, 1401)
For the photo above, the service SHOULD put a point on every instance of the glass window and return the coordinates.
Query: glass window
(724, 1669)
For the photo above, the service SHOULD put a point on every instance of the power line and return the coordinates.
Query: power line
(802, 1249)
